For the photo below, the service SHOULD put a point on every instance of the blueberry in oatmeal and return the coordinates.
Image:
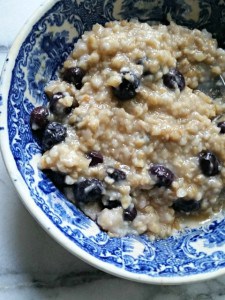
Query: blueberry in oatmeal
(96, 158)
(186, 206)
(57, 178)
(144, 145)
(54, 133)
(39, 118)
(130, 213)
(74, 75)
(53, 102)
(209, 163)
(163, 176)
(116, 174)
(112, 204)
(88, 190)
(128, 86)
(221, 125)
(56, 107)
(174, 79)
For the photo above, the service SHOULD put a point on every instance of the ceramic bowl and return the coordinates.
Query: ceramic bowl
(39, 50)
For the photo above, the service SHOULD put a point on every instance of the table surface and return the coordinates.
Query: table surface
(33, 266)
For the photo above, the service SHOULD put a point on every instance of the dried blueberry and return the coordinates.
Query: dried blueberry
(186, 206)
(173, 79)
(116, 174)
(130, 213)
(54, 133)
(74, 75)
(39, 117)
(127, 88)
(221, 125)
(96, 158)
(88, 190)
(209, 164)
(112, 204)
(162, 175)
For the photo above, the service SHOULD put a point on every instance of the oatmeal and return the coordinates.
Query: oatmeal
(128, 133)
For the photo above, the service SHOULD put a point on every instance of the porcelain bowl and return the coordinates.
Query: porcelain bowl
(38, 52)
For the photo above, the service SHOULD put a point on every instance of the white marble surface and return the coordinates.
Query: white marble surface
(32, 265)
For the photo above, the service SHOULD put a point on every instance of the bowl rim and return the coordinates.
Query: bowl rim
(23, 190)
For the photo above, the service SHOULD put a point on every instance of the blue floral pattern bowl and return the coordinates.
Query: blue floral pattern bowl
(37, 54)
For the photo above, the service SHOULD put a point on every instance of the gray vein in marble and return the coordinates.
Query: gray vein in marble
(50, 281)
(4, 49)
(97, 285)
(71, 279)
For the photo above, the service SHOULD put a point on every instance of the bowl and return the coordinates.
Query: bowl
(39, 50)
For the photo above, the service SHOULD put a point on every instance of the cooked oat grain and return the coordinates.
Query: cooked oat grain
(127, 111)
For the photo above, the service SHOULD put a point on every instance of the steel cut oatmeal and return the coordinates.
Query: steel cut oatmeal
(129, 134)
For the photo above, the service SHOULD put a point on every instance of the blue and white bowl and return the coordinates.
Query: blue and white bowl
(41, 47)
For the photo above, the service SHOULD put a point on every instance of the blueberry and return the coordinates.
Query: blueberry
(96, 158)
(39, 117)
(116, 174)
(57, 108)
(164, 21)
(221, 125)
(112, 204)
(173, 79)
(209, 164)
(54, 133)
(130, 213)
(57, 178)
(162, 175)
(74, 75)
(127, 88)
(88, 190)
(186, 206)
(54, 105)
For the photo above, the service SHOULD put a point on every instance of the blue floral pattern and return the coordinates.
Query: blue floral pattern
(194, 251)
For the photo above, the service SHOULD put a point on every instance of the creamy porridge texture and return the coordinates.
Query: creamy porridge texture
(129, 135)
